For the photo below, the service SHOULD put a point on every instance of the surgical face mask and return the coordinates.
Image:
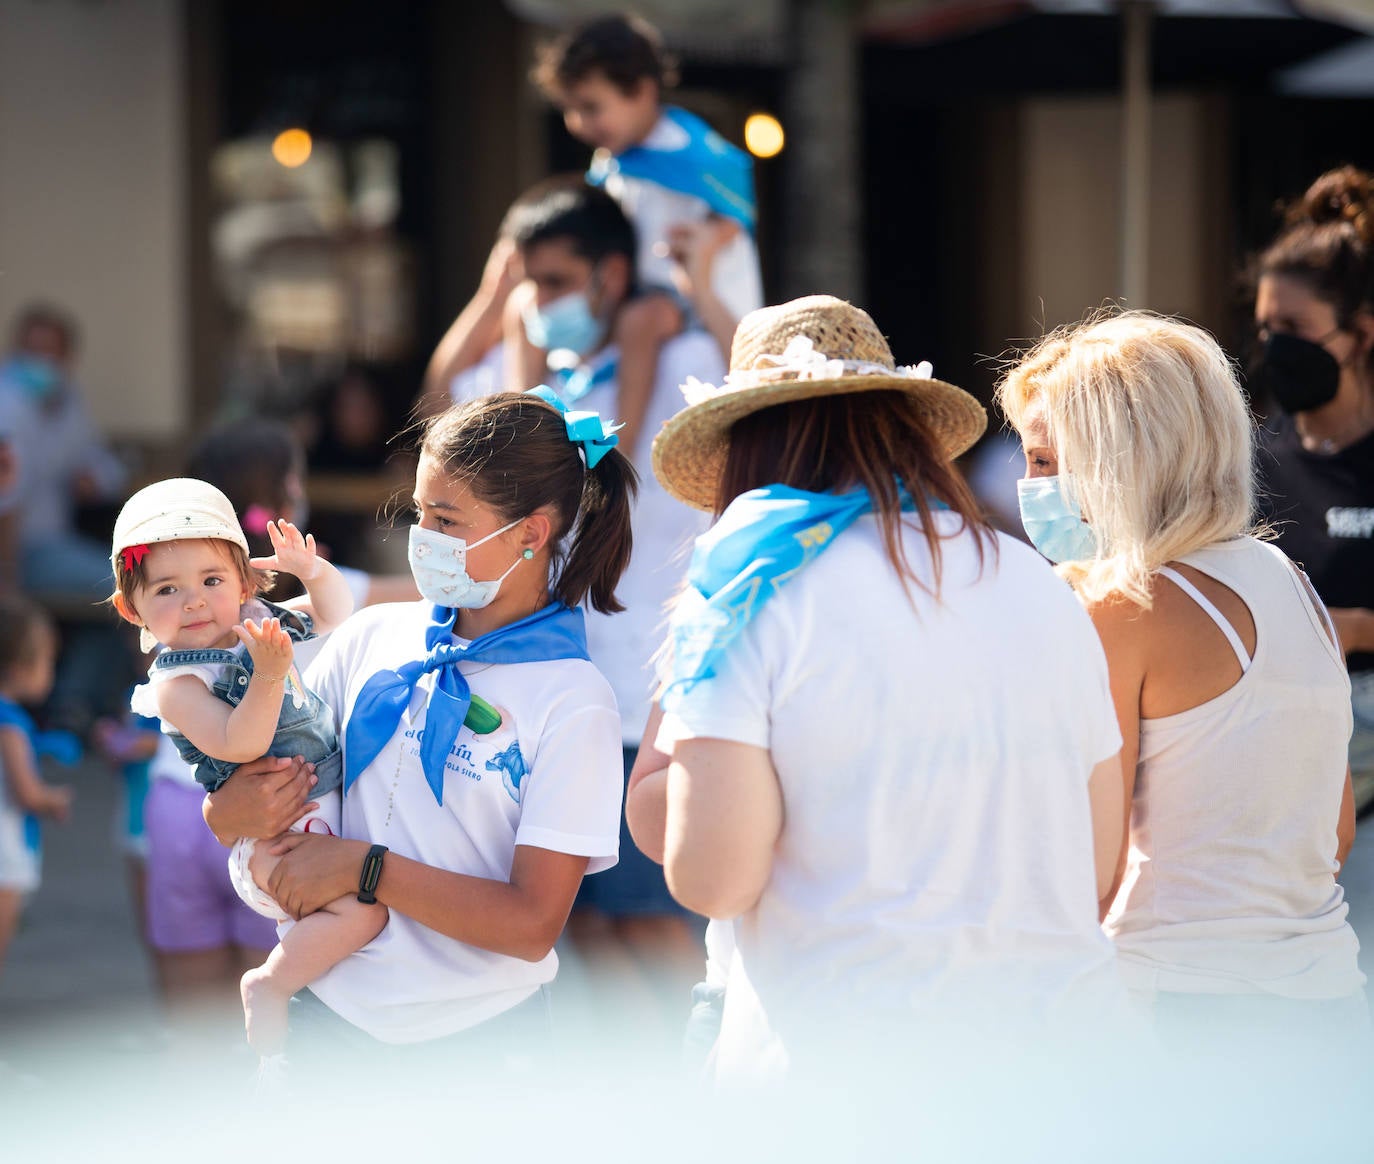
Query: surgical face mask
(439, 564)
(565, 324)
(1053, 521)
(1299, 374)
(37, 376)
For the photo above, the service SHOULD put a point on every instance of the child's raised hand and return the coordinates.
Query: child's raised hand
(268, 646)
(292, 551)
(693, 246)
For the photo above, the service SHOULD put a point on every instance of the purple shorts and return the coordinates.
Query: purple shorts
(191, 904)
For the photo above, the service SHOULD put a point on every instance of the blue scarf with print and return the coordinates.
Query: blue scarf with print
(555, 632)
(763, 540)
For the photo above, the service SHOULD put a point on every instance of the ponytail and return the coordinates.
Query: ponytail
(601, 541)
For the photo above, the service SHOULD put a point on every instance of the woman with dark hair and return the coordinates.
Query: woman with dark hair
(481, 747)
(886, 742)
(1314, 311)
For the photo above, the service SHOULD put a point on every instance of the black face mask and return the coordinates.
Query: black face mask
(1300, 375)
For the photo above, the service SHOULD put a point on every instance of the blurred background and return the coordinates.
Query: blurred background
(279, 206)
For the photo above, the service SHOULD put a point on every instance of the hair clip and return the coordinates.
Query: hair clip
(593, 436)
(133, 556)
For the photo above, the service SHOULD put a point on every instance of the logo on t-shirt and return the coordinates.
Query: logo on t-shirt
(511, 765)
(1349, 522)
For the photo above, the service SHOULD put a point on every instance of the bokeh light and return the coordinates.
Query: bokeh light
(292, 147)
(763, 135)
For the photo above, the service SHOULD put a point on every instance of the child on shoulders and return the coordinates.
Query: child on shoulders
(688, 192)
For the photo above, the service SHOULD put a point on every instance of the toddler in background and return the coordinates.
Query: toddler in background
(227, 691)
(28, 654)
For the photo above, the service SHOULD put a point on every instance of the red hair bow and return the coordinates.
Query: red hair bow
(132, 556)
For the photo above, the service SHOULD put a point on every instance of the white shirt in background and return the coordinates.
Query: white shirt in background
(654, 210)
(622, 645)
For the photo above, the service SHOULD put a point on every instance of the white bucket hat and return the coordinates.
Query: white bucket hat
(176, 510)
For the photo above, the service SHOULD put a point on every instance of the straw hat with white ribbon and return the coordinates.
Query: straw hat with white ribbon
(816, 346)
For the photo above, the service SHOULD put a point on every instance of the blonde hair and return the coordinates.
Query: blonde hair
(1155, 437)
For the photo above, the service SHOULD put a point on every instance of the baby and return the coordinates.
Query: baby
(227, 691)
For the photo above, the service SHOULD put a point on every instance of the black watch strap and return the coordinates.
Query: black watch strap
(371, 874)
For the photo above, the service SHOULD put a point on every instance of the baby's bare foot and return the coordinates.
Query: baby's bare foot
(264, 1012)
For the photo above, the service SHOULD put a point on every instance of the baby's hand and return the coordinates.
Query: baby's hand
(293, 551)
(268, 646)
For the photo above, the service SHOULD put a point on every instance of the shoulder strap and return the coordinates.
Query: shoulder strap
(1212, 612)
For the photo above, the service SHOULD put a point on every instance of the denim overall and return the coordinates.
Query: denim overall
(306, 731)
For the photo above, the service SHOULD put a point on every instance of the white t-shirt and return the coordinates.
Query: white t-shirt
(622, 645)
(936, 860)
(654, 209)
(411, 983)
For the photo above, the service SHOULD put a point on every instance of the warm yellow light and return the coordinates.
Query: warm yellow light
(292, 147)
(763, 135)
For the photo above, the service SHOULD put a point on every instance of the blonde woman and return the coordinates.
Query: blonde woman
(1228, 681)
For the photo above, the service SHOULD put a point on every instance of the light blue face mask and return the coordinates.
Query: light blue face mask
(1053, 521)
(37, 376)
(439, 564)
(565, 324)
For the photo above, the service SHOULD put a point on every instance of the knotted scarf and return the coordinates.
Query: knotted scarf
(764, 538)
(555, 632)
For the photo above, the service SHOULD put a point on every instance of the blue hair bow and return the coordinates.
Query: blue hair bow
(586, 429)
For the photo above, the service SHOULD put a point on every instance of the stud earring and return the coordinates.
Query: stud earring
(527, 554)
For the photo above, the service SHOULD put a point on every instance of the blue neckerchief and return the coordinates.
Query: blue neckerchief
(556, 632)
(575, 383)
(763, 539)
(705, 166)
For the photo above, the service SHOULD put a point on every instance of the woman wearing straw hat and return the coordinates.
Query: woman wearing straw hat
(885, 742)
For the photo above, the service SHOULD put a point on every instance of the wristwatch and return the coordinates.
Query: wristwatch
(371, 874)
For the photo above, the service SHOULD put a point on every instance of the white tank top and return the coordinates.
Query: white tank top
(1230, 879)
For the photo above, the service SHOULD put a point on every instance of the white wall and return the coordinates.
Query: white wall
(92, 194)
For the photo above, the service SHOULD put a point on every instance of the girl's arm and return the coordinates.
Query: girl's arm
(327, 598)
(233, 734)
(646, 795)
(521, 918)
(1121, 628)
(23, 781)
(724, 816)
